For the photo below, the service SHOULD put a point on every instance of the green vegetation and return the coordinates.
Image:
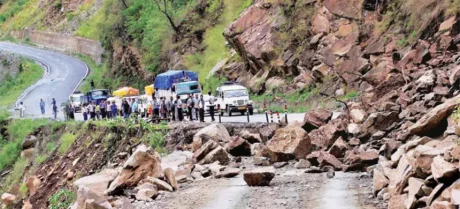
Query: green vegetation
(10, 9)
(28, 14)
(102, 21)
(14, 177)
(66, 142)
(40, 159)
(62, 199)
(50, 146)
(11, 88)
(97, 75)
(23, 190)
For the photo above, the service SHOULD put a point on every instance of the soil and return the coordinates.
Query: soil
(291, 188)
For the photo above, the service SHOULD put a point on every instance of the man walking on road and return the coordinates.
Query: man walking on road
(55, 108)
(211, 106)
(42, 106)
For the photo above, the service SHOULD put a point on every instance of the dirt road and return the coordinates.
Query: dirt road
(291, 188)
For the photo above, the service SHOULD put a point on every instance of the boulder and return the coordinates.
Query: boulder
(29, 142)
(238, 147)
(217, 155)
(316, 118)
(146, 192)
(250, 137)
(215, 131)
(434, 117)
(324, 137)
(86, 199)
(415, 187)
(142, 163)
(228, 173)
(378, 121)
(123, 203)
(322, 159)
(397, 202)
(302, 164)
(98, 182)
(33, 183)
(455, 196)
(345, 8)
(442, 205)
(259, 177)
(357, 115)
(443, 171)
(160, 184)
(8, 199)
(447, 24)
(27, 205)
(339, 148)
(320, 24)
(380, 181)
(289, 143)
(377, 74)
(204, 150)
(360, 160)
(169, 175)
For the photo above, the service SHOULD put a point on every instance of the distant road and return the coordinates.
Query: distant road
(64, 74)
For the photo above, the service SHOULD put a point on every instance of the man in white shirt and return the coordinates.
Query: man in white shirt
(211, 105)
(179, 108)
(22, 109)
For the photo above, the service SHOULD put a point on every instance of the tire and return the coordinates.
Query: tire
(242, 112)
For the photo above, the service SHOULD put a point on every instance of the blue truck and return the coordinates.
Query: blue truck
(177, 82)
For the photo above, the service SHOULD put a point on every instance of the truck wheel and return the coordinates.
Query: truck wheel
(242, 112)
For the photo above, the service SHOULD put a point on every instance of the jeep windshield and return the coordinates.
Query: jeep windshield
(236, 93)
(99, 94)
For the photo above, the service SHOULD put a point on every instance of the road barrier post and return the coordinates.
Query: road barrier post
(220, 114)
(285, 113)
(278, 114)
(247, 111)
(266, 113)
(271, 115)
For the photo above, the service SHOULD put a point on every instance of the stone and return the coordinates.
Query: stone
(238, 147)
(345, 8)
(377, 74)
(397, 202)
(142, 163)
(302, 164)
(197, 175)
(160, 184)
(279, 164)
(320, 24)
(228, 173)
(447, 24)
(353, 128)
(215, 131)
(330, 173)
(415, 187)
(390, 147)
(251, 137)
(27, 205)
(146, 192)
(322, 158)
(70, 175)
(86, 199)
(8, 199)
(28, 153)
(123, 203)
(32, 184)
(433, 118)
(455, 196)
(378, 121)
(313, 169)
(204, 150)
(375, 48)
(29, 142)
(259, 177)
(289, 143)
(316, 118)
(261, 161)
(362, 159)
(324, 137)
(339, 148)
(218, 154)
(442, 205)
(443, 171)
(357, 115)
(436, 191)
(380, 181)
(170, 178)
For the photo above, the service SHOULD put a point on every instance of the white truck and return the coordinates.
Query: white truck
(76, 101)
(233, 97)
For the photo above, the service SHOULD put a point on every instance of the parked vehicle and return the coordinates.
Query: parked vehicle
(96, 96)
(175, 82)
(76, 101)
(233, 97)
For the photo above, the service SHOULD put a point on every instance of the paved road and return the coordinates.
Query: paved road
(63, 75)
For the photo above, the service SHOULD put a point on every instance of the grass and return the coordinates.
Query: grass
(50, 146)
(98, 71)
(40, 159)
(28, 15)
(11, 8)
(15, 176)
(92, 28)
(23, 190)
(61, 199)
(12, 88)
(66, 142)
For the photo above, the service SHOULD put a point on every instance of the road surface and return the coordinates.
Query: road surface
(63, 74)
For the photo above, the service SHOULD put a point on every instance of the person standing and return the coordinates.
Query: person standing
(201, 106)
(114, 110)
(92, 84)
(190, 107)
(196, 107)
(22, 109)
(211, 105)
(126, 109)
(156, 108)
(134, 107)
(92, 110)
(55, 108)
(98, 111)
(104, 109)
(70, 112)
(172, 109)
(42, 106)
(180, 113)
(84, 110)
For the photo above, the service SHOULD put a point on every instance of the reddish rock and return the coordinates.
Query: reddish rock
(259, 177)
(7, 199)
(339, 148)
(345, 8)
(321, 158)
(377, 47)
(378, 74)
(443, 171)
(447, 24)
(359, 161)
(289, 143)
(320, 24)
(204, 150)
(238, 147)
(218, 154)
(380, 181)
(325, 136)
(170, 178)
(316, 118)
(378, 121)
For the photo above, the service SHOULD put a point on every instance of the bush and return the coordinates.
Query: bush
(62, 199)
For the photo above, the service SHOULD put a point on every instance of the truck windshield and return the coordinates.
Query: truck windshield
(99, 94)
(76, 98)
(236, 93)
(187, 88)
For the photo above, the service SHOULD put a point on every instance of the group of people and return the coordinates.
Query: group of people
(42, 107)
(99, 111)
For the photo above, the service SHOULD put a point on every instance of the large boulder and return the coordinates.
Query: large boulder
(251, 137)
(169, 176)
(29, 142)
(324, 137)
(217, 155)
(259, 177)
(238, 147)
(33, 183)
(322, 159)
(442, 170)
(204, 150)
(289, 143)
(360, 160)
(215, 131)
(378, 121)
(8, 199)
(434, 117)
(86, 199)
(316, 118)
(339, 148)
(142, 163)
(380, 181)
(98, 182)
(146, 192)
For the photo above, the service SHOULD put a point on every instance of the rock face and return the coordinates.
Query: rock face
(433, 118)
(289, 143)
(238, 147)
(141, 164)
(99, 182)
(259, 177)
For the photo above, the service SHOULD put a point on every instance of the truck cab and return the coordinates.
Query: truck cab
(233, 97)
(76, 101)
(96, 96)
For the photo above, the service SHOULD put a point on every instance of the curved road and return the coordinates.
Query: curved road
(63, 75)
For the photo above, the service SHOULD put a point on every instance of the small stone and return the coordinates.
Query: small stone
(279, 164)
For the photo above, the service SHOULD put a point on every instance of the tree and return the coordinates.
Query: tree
(163, 8)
